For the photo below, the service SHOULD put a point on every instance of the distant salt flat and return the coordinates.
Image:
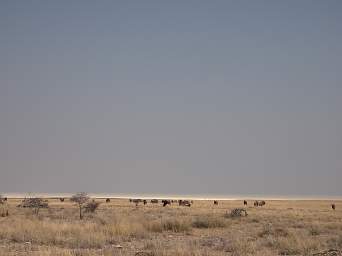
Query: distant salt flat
(176, 196)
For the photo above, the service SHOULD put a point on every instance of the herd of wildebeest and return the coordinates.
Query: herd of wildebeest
(164, 202)
(188, 203)
(180, 202)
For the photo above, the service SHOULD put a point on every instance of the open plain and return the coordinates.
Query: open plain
(119, 227)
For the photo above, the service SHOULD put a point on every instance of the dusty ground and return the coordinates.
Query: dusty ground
(121, 228)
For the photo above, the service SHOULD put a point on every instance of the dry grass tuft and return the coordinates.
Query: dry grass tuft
(208, 222)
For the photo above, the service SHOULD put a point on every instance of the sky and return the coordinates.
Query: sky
(174, 97)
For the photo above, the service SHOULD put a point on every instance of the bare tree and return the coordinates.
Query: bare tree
(35, 203)
(80, 199)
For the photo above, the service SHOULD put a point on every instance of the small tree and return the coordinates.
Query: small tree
(35, 203)
(80, 199)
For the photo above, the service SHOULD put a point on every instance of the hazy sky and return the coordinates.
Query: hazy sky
(208, 97)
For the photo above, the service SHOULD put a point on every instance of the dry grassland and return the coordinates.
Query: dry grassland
(121, 228)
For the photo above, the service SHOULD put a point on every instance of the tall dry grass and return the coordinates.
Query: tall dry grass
(119, 228)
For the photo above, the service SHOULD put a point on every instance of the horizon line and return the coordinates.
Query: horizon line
(174, 196)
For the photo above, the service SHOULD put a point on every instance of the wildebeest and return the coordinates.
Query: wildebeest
(5, 199)
(145, 202)
(259, 203)
(215, 202)
(184, 203)
(107, 200)
(154, 201)
(333, 206)
(61, 199)
(244, 202)
(136, 201)
(166, 202)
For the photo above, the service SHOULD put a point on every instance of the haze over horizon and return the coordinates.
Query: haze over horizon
(181, 97)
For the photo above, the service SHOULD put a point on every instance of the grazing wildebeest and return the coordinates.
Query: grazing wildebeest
(136, 201)
(166, 202)
(259, 203)
(154, 201)
(333, 207)
(184, 203)
(244, 202)
(107, 200)
(215, 202)
(61, 199)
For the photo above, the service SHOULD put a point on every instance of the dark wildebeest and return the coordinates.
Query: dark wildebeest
(333, 207)
(154, 201)
(259, 203)
(184, 203)
(166, 202)
(215, 202)
(145, 202)
(61, 199)
(136, 201)
(107, 200)
(244, 202)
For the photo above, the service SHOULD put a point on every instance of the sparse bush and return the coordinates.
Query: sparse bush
(238, 212)
(91, 206)
(175, 225)
(269, 230)
(208, 222)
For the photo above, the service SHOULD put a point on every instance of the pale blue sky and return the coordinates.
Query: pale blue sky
(220, 97)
